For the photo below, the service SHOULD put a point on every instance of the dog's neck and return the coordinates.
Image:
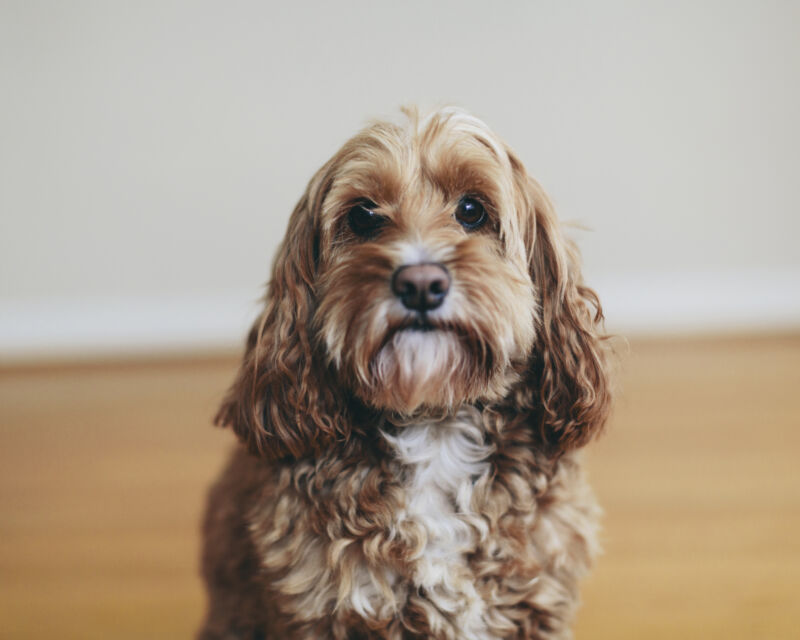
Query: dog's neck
(442, 452)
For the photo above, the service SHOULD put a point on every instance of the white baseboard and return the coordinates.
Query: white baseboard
(724, 301)
(60, 328)
(634, 305)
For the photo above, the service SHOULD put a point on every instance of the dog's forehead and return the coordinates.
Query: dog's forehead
(448, 151)
(453, 127)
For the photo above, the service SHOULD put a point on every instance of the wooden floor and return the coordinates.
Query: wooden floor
(103, 470)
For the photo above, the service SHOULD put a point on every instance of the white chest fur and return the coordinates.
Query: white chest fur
(444, 460)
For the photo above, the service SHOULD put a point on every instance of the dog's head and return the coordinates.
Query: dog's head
(423, 269)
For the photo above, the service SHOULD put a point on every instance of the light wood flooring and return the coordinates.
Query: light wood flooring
(104, 467)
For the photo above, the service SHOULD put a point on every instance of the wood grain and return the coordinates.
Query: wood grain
(104, 467)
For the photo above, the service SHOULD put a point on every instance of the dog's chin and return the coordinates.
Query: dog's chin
(424, 369)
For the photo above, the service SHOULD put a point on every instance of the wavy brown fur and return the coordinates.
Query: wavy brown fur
(326, 524)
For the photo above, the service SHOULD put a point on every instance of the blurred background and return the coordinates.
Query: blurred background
(150, 154)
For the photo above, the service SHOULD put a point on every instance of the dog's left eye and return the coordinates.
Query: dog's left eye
(363, 220)
(470, 213)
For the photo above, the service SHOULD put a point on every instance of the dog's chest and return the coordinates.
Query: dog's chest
(441, 463)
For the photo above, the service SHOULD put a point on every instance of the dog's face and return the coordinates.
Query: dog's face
(423, 269)
(424, 296)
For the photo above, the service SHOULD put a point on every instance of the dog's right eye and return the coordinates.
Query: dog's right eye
(363, 220)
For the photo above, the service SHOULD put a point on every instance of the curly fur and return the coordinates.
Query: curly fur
(404, 484)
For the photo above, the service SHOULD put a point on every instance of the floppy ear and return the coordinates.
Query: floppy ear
(282, 402)
(568, 375)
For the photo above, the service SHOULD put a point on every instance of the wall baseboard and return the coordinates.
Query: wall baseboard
(708, 302)
(634, 304)
(59, 328)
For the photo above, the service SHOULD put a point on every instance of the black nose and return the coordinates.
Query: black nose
(421, 287)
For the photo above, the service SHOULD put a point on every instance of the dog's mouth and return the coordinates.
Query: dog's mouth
(421, 324)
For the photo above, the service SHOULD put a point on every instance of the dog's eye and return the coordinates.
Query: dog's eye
(470, 213)
(363, 220)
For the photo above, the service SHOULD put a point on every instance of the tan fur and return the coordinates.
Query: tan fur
(403, 484)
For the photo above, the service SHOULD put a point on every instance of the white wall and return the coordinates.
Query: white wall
(150, 152)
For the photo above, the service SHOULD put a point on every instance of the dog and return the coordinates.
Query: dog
(410, 405)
